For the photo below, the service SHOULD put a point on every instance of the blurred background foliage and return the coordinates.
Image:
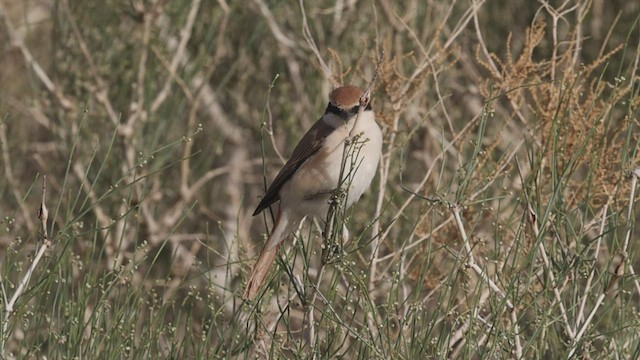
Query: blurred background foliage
(157, 123)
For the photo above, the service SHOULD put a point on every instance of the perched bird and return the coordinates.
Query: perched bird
(306, 182)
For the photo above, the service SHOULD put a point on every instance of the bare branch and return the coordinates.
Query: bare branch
(40, 73)
(180, 55)
(13, 183)
(308, 37)
(455, 209)
(43, 216)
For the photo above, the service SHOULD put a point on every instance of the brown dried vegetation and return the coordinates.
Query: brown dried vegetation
(503, 202)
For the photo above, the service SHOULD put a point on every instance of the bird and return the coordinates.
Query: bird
(308, 179)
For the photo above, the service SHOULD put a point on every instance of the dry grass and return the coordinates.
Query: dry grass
(501, 224)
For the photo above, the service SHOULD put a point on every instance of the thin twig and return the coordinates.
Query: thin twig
(41, 75)
(582, 13)
(179, 56)
(308, 37)
(619, 269)
(311, 307)
(137, 104)
(414, 193)
(532, 219)
(556, 14)
(471, 263)
(483, 46)
(11, 180)
(635, 174)
(101, 89)
(596, 253)
(278, 34)
(43, 215)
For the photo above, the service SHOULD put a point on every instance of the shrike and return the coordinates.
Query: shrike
(306, 182)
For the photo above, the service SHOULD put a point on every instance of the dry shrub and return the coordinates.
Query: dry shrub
(574, 116)
(158, 148)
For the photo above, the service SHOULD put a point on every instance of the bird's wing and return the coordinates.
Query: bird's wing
(310, 143)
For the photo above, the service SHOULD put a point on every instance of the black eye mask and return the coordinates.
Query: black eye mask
(345, 114)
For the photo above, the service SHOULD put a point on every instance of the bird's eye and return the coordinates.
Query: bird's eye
(354, 110)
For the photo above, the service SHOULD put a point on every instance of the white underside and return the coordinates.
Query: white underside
(308, 191)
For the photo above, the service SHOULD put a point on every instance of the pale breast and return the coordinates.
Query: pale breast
(313, 183)
(365, 156)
